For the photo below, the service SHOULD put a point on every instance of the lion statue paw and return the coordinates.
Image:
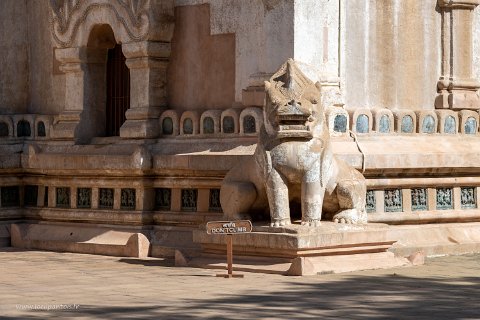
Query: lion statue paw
(281, 223)
(311, 223)
(351, 216)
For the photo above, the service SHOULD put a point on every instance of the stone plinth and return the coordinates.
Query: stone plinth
(328, 248)
(296, 240)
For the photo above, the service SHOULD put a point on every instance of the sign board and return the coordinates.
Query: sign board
(229, 227)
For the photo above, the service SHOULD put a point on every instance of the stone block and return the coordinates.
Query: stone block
(74, 238)
(417, 258)
(301, 266)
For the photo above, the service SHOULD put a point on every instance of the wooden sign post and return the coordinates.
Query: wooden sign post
(229, 228)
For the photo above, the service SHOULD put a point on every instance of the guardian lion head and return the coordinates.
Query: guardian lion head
(293, 108)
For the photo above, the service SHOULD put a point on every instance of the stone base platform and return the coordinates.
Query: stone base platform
(4, 235)
(436, 239)
(331, 248)
(293, 250)
(80, 239)
(300, 266)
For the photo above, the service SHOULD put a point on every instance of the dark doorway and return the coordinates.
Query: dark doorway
(118, 91)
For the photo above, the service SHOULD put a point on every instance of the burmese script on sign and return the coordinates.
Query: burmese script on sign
(229, 227)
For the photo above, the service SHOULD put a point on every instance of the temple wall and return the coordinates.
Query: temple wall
(388, 55)
(392, 53)
(13, 57)
(46, 81)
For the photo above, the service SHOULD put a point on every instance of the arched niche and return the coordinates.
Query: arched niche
(167, 117)
(84, 31)
(230, 121)
(24, 128)
(251, 120)
(210, 122)
(7, 127)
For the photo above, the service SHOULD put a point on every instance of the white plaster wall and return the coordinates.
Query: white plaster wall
(316, 35)
(263, 31)
(392, 53)
(476, 44)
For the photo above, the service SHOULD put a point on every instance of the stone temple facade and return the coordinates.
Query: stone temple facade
(119, 119)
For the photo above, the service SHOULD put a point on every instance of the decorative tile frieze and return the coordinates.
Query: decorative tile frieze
(167, 126)
(471, 126)
(228, 124)
(249, 124)
(31, 196)
(450, 125)
(214, 200)
(371, 204)
(23, 129)
(444, 198)
(163, 199)
(84, 198)
(419, 199)
(189, 199)
(188, 126)
(105, 198)
(208, 125)
(10, 196)
(128, 199)
(363, 124)
(468, 197)
(41, 132)
(340, 123)
(62, 197)
(407, 124)
(393, 200)
(384, 125)
(428, 124)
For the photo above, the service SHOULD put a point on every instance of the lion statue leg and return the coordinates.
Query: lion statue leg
(351, 198)
(312, 201)
(277, 193)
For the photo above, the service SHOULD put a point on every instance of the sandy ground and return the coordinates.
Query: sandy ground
(45, 285)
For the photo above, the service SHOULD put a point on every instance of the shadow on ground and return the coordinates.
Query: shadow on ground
(356, 297)
(149, 263)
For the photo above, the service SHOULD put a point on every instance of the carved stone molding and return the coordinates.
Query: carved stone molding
(458, 4)
(132, 20)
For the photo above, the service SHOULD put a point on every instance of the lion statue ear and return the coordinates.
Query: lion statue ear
(318, 85)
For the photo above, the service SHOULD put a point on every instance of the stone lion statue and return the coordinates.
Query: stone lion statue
(294, 162)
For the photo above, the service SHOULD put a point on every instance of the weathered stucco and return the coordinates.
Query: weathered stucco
(13, 57)
(263, 34)
(392, 53)
(202, 66)
(47, 83)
